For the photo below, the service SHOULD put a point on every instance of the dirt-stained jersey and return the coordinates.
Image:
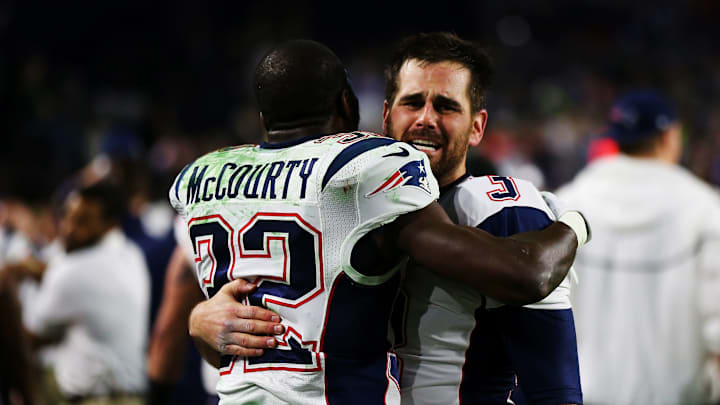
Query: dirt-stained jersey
(288, 216)
(458, 347)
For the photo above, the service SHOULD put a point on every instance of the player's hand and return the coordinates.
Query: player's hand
(232, 328)
(572, 218)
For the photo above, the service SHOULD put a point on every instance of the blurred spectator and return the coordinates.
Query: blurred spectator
(92, 303)
(646, 308)
(17, 366)
(601, 146)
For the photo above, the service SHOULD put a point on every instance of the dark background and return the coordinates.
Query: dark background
(145, 87)
(165, 81)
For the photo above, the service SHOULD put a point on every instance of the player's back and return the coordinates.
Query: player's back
(288, 216)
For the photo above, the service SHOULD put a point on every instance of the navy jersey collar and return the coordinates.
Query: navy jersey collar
(280, 145)
(452, 185)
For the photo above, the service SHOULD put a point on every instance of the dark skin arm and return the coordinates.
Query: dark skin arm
(517, 270)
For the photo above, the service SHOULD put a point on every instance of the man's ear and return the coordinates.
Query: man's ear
(262, 121)
(478, 127)
(386, 113)
(349, 108)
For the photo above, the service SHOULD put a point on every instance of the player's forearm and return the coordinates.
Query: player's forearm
(515, 271)
(551, 254)
(199, 331)
(167, 351)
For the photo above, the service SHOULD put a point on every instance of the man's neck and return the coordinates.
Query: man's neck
(451, 176)
(332, 126)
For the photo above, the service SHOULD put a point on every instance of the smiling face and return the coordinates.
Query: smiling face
(432, 111)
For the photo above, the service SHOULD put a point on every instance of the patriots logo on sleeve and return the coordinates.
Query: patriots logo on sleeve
(410, 174)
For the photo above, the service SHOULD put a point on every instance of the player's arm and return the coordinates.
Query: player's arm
(517, 270)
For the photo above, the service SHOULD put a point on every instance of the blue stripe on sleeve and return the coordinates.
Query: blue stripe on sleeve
(179, 179)
(539, 346)
(352, 152)
(512, 220)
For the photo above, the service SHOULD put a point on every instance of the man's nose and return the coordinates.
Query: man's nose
(428, 117)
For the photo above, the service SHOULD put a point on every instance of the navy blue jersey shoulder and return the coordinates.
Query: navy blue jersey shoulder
(512, 220)
(179, 179)
(350, 153)
(521, 342)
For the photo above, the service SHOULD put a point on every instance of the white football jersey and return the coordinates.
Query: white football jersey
(288, 216)
(438, 327)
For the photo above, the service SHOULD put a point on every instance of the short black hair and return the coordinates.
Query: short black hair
(639, 146)
(300, 83)
(436, 47)
(112, 199)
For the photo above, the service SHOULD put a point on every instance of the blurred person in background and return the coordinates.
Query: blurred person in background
(647, 308)
(92, 303)
(18, 368)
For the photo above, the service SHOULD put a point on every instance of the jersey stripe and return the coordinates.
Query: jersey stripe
(350, 153)
(512, 220)
(355, 342)
(487, 375)
(528, 330)
(179, 179)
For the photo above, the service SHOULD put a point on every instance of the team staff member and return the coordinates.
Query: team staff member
(93, 304)
(648, 314)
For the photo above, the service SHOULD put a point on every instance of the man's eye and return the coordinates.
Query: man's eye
(447, 108)
(415, 104)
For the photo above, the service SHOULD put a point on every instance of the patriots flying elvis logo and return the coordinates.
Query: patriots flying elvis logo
(410, 174)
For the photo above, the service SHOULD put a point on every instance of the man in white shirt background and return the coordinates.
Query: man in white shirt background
(93, 303)
(646, 308)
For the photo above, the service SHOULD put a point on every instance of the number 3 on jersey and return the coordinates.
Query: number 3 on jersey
(506, 191)
(284, 252)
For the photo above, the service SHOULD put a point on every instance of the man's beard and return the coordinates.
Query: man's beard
(450, 156)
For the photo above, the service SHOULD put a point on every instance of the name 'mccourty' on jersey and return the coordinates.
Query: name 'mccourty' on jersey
(287, 217)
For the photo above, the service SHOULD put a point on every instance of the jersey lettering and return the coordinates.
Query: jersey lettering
(259, 181)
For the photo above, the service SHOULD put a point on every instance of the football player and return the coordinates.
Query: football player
(458, 346)
(321, 218)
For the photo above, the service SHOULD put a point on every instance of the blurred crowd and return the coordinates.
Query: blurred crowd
(129, 93)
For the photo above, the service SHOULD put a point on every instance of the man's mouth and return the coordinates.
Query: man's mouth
(424, 145)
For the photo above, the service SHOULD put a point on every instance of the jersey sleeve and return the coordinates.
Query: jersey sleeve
(504, 206)
(182, 238)
(177, 190)
(389, 181)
